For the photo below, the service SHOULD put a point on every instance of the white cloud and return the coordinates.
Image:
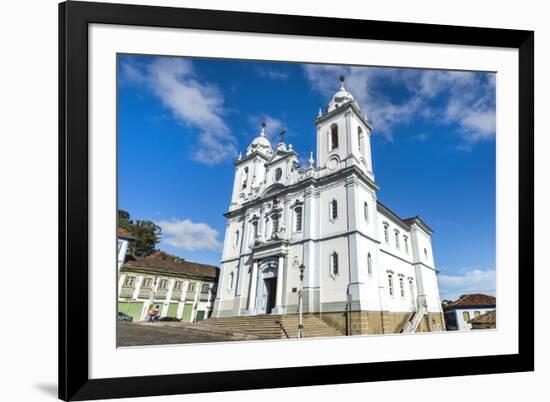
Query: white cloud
(469, 281)
(192, 102)
(441, 97)
(189, 236)
(271, 73)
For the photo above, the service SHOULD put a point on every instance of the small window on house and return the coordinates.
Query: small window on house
(191, 287)
(298, 214)
(178, 285)
(130, 281)
(369, 264)
(390, 284)
(386, 233)
(334, 263)
(366, 211)
(406, 243)
(147, 282)
(333, 137)
(163, 284)
(205, 288)
(397, 239)
(402, 286)
(477, 314)
(466, 316)
(333, 209)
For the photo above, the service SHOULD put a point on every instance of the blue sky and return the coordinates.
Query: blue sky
(183, 121)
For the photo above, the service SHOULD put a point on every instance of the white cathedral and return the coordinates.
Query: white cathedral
(361, 262)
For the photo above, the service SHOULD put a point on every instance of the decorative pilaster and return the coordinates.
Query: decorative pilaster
(252, 291)
(278, 309)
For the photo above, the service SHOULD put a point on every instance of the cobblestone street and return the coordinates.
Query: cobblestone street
(141, 334)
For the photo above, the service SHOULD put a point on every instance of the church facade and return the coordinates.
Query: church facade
(365, 269)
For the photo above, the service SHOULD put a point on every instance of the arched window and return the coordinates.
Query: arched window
(278, 174)
(254, 230)
(298, 220)
(369, 264)
(390, 284)
(334, 263)
(245, 177)
(333, 213)
(333, 137)
(275, 220)
(360, 139)
(402, 286)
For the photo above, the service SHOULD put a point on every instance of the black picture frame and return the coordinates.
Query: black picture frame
(74, 18)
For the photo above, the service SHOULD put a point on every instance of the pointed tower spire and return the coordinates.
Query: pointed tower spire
(342, 79)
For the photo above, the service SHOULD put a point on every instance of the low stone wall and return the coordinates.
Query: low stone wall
(377, 322)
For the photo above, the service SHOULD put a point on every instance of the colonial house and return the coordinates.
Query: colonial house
(360, 260)
(124, 242)
(459, 313)
(485, 321)
(181, 288)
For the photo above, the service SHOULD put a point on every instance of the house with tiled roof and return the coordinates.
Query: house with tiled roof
(180, 288)
(459, 313)
(485, 321)
(124, 243)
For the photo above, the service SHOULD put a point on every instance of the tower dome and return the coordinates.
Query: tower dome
(341, 97)
(260, 144)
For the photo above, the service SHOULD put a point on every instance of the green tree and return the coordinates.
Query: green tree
(145, 233)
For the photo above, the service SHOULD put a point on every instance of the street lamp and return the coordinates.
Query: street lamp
(300, 324)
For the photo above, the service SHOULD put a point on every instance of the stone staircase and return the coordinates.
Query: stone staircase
(271, 326)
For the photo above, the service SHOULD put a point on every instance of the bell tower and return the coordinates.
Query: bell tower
(343, 134)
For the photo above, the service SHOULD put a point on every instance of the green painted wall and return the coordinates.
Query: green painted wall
(172, 310)
(133, 309)
(187, 310)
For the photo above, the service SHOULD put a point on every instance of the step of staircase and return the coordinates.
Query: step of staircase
(273, 326)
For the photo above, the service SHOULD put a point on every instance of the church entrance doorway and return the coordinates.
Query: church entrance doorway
(270, 292)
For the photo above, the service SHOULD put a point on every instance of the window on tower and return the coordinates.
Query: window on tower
(333, 137)
(278, 174)
(369, 264)
(333, 207)
(366, 211)
(298, 213)
(275, 221)
(334, 263)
